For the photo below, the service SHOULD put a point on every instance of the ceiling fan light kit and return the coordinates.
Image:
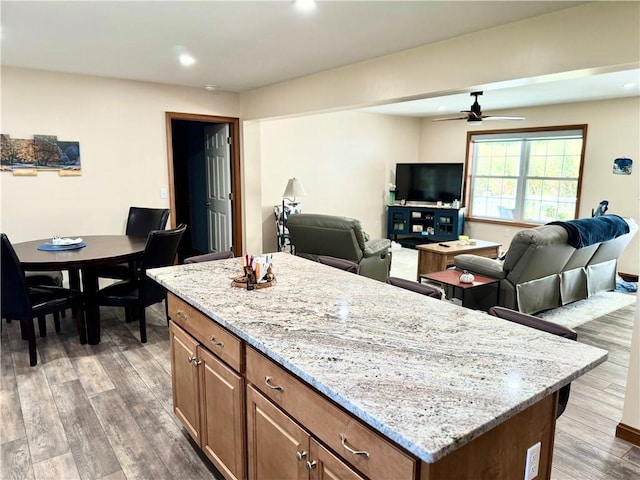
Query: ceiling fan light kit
(475, 115)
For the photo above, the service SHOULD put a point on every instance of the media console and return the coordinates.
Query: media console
(412, 225)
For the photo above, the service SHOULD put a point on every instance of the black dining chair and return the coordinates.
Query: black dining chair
(140, 221)
(48, 279)
(137, 293)
(545, 326)
(24, 303)
(415, 287)
(209, 257)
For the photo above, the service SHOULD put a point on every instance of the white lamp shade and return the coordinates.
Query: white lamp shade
(294, 189)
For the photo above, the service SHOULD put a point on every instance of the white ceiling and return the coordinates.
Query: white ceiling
(241, 45)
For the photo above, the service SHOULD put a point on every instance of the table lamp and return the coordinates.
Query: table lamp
(293, 189)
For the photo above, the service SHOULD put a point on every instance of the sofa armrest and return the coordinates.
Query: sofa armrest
(481, 265)
(376, 247)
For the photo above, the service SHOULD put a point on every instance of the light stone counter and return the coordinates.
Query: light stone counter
(429, 375)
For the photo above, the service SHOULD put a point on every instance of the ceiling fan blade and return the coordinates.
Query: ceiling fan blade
(492, 117)
(449, 118)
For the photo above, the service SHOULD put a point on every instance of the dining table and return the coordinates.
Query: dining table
(82, 261)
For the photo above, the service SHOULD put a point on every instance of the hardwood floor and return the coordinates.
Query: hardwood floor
(105, 411)
(585, 443)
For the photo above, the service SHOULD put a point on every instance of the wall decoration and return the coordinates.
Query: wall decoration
(27, 157)
(622, 166)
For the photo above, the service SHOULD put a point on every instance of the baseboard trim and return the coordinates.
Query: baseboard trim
(628, 433)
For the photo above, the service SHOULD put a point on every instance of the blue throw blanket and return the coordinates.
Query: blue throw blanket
(587, 231)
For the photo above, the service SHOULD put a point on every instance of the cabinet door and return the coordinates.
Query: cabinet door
(326, 466)
(222, 408)
(184, 379)
(277, 447)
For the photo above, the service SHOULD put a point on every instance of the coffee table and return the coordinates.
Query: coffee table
(452, 279)
(435, 257)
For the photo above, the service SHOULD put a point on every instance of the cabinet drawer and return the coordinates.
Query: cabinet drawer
(212, 336)
(339, 430)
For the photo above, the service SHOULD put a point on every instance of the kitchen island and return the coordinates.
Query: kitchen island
(435, 390)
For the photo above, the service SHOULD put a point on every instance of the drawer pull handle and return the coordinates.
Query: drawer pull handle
(273, 387)
(180, 314)
(343, 439)
(301, 456)
(194, 361)
(214, 342)
(311, 465)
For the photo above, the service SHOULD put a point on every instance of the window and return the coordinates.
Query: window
(525, 176)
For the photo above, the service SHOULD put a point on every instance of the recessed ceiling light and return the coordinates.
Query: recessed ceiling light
(628, 85)
(210, 87)
(186, 59)
(442, 108)
(305, 5)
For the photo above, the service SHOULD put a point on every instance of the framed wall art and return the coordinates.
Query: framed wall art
(28, 156)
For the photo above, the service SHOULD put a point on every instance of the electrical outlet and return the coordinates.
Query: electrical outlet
(533, 462)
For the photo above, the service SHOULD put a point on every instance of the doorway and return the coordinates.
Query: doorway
(204, 182)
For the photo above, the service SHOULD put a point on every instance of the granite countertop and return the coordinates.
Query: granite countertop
(427, 374)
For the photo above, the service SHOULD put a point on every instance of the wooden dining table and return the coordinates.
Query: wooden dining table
(100, 250)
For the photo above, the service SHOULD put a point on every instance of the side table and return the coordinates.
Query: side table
(435, 257)
(452, 279)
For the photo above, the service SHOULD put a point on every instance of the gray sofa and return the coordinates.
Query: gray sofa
(313, 235)
(543, 270)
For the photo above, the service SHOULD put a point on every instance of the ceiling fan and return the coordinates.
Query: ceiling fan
(475, 115)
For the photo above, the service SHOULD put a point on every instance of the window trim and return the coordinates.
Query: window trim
(468, 170)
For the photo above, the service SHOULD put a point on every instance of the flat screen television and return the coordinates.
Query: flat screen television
(429, 182)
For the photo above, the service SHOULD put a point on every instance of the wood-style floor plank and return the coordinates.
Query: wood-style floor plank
(56, 468)
(45, 432)
(137, 456)
(16, 461)
(88, 442)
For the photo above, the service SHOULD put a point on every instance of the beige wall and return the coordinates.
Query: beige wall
(613, 131)
(121, 129)
(344, 160)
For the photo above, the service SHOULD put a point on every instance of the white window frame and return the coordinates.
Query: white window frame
(526, 136)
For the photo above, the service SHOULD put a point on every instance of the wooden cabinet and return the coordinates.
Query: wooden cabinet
(353, 441)
(280, 449)
(185, 382)
(411, 225)
(208, 395)
(328, 466)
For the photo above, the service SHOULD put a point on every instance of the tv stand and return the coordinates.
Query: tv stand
(412, 225)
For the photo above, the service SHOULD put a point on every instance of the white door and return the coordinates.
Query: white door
(218, 155)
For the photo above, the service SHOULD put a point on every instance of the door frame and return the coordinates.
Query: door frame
(236, 181)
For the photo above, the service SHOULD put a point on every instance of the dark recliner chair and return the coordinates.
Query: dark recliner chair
(545, 326)
(315, 235)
